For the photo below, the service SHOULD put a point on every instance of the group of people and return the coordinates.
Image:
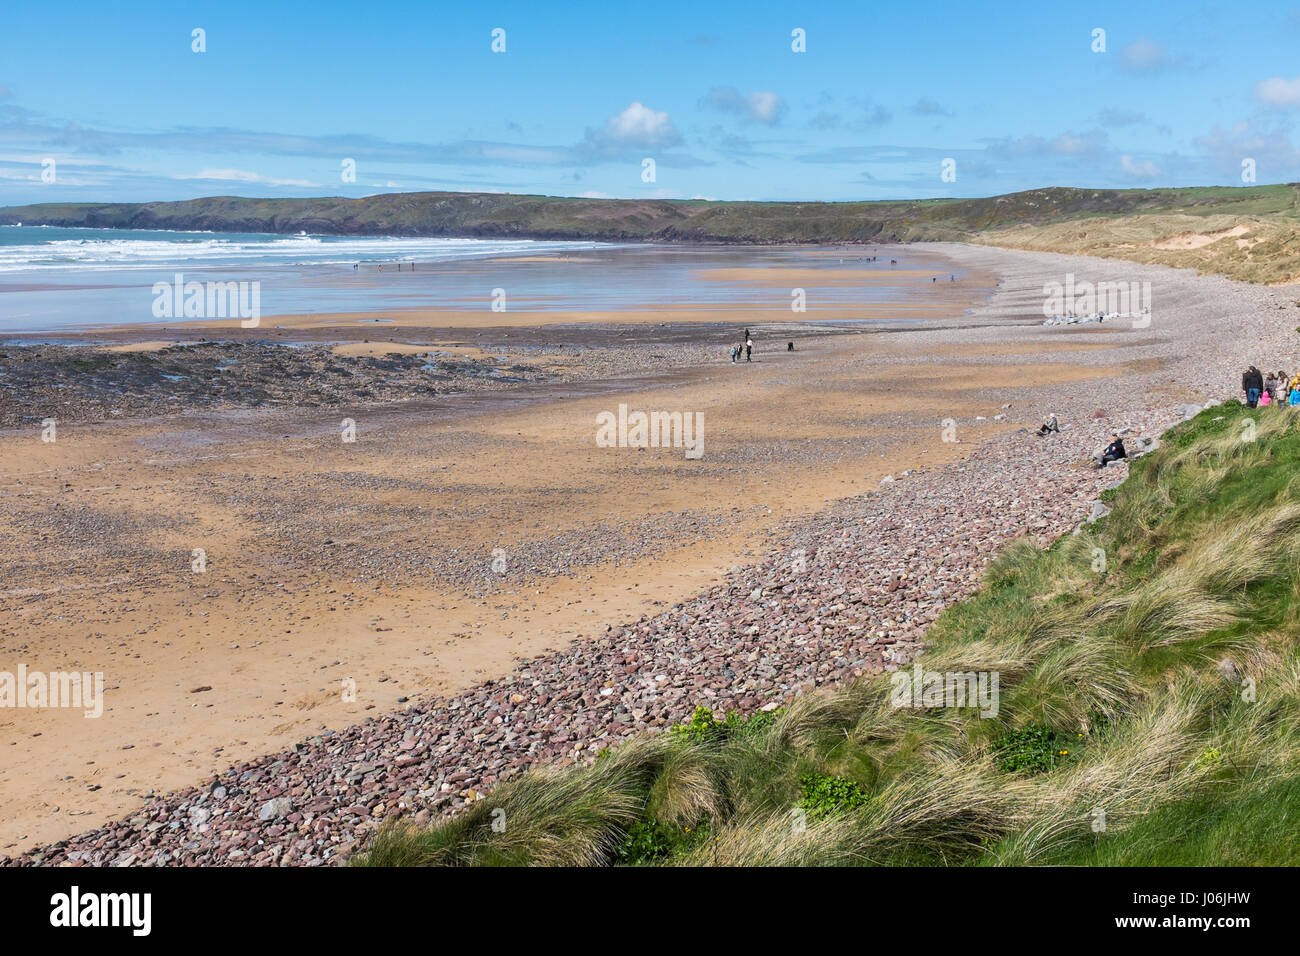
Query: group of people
(745, 348)
(1268, 388)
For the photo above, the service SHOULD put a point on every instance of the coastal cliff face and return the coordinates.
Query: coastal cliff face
(494, 215)
(470, 215)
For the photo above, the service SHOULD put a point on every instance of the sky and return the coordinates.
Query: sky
(112, 102)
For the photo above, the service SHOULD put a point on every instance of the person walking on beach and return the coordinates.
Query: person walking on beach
(1113, 452)
(733, 355)
(1252, 383)
(749, 349)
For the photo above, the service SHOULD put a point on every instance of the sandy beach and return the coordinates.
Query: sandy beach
(494, 586)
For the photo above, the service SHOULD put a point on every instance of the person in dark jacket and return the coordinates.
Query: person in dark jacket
(1114, 452)
(1252, 383)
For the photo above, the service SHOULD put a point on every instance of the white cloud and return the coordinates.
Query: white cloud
(639, 125)
(627, 135)
(764, 106)
(1139, 170)
(1066, 144)
(1276, 91)
(1277, 158)
(1145, 56)
(761, 106)
(246, 176)
(1075, 144)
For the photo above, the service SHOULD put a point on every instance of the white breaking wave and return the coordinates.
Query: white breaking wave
(85, 254)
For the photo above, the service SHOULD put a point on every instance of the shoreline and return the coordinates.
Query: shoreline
(896, 357)
(617, 284)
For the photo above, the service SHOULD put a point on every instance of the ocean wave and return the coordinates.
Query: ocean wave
(121, 252)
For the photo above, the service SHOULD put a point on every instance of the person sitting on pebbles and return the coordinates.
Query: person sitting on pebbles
(1050, 425)
(1113, 452)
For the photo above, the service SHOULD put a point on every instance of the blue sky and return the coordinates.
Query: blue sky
(584, 93)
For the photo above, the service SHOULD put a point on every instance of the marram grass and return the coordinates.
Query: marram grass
(1148, 712)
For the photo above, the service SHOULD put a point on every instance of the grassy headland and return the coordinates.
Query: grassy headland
(1245, 232)
(1148, 712)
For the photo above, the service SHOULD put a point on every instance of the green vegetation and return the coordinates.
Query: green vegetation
(1149, 712)
(1244, 828)
(1126, 223)
(704, 726)
(1036, 749)
(823, 795)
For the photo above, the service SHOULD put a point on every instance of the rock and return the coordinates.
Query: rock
(275, 809)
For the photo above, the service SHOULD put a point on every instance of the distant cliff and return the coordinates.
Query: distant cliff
(1246, 232)
(496, 215)
(492, 215)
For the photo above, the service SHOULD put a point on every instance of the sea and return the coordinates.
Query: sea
(64, 279)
